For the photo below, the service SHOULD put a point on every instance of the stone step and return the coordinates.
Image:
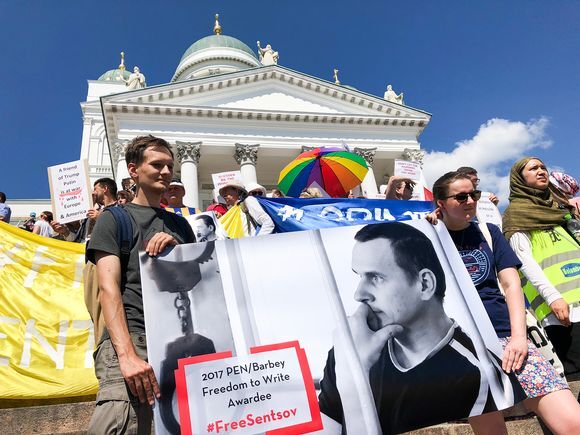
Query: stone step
(73, 418)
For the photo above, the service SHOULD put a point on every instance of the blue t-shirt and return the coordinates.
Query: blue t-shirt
(482, 264)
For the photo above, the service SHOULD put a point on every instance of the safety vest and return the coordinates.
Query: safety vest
(558, 254)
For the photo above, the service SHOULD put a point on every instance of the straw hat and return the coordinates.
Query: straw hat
(236, 184)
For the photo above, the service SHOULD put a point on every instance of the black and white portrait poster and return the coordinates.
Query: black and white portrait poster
(392, 329)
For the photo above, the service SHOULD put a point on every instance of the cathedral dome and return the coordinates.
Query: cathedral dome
(215, 54)
(115, 75)
(218, 41)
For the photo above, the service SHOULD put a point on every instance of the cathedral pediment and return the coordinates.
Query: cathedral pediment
(268, 91)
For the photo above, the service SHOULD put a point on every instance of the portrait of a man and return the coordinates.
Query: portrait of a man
(422, 367)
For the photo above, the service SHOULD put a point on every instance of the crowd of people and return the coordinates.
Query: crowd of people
(535, 243)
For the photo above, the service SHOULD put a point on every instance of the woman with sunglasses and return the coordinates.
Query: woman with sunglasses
(547, 393)
(534, 223)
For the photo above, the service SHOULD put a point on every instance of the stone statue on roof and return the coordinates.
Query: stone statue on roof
(267, 55)
(335, 76)
(136, 80)
(392, 96)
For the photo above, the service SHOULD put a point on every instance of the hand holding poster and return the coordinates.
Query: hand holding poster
(70, 191)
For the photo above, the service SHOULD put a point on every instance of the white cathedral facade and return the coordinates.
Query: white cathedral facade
(228, 107)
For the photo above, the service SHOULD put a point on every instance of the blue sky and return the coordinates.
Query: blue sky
(499, 77)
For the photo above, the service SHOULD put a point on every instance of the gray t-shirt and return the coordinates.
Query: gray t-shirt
(146, 222)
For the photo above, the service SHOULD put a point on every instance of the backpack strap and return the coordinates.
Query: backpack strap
(124, 231)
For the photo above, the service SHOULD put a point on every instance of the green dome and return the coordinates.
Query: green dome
(115, 75)
(218, 41)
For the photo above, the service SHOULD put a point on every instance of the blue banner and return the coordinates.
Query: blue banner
(294, 214)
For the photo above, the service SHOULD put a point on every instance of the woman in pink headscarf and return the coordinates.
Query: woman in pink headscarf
(565, 187)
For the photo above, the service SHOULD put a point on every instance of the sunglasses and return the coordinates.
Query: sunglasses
(462, 197)
(255, 193)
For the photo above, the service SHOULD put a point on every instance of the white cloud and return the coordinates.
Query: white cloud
(496, 146)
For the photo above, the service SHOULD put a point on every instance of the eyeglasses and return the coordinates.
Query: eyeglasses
(255, 193)
(462, 197)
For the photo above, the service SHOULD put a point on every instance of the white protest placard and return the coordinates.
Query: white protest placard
(404, 168)
(488, 211)
(412, 170)
(222, 178)
(70, 191)
(269, 389)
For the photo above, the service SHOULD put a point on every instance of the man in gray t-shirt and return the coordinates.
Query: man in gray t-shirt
(127, 383)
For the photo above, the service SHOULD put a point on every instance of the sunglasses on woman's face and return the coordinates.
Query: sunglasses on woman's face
(462, 197)
(255, 193)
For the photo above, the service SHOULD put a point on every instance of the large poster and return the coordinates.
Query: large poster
(380, 320)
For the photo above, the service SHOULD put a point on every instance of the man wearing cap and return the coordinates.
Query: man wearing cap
(255, 220)
(175, 193)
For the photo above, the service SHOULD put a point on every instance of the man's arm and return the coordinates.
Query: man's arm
(138, 374)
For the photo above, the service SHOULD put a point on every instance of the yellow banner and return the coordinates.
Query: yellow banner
(46, 334)
(232, 222)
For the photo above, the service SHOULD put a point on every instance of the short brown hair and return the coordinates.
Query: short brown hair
(441, 186)
(137, 147)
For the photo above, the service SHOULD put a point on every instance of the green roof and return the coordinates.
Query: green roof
(218, 41)
(114, 75)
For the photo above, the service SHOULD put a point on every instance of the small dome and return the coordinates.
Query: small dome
(115, 75)
(218, 41)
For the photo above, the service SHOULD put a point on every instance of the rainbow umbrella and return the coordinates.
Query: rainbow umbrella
(334, 169)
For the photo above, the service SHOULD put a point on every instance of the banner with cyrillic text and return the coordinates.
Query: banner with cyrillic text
(46, 334)
(295, 214)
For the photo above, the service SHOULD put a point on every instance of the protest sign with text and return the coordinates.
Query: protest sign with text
(70, 191)
(269, 389)
(220, 179)
(487, 211)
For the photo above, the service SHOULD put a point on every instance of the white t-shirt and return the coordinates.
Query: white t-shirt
(45, 228)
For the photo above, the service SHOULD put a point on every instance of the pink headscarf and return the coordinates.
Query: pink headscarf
(566, 183)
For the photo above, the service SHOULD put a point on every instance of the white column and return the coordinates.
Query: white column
(246, 156)
(119, 147)
(369, 183)
(188, 154)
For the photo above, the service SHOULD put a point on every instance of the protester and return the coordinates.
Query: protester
(42, 226)
(127, 383)
(104, 195)
(255, 189)
(124, 197)
(311, 192)
(174, 194)
(5, 211)
(255, 220)
(217, 208)
(534, 224)
(547, 393)
(28, 224)
(565, 187)
(277, 193)
(472, 173)
(422, 367)
(399, 188)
